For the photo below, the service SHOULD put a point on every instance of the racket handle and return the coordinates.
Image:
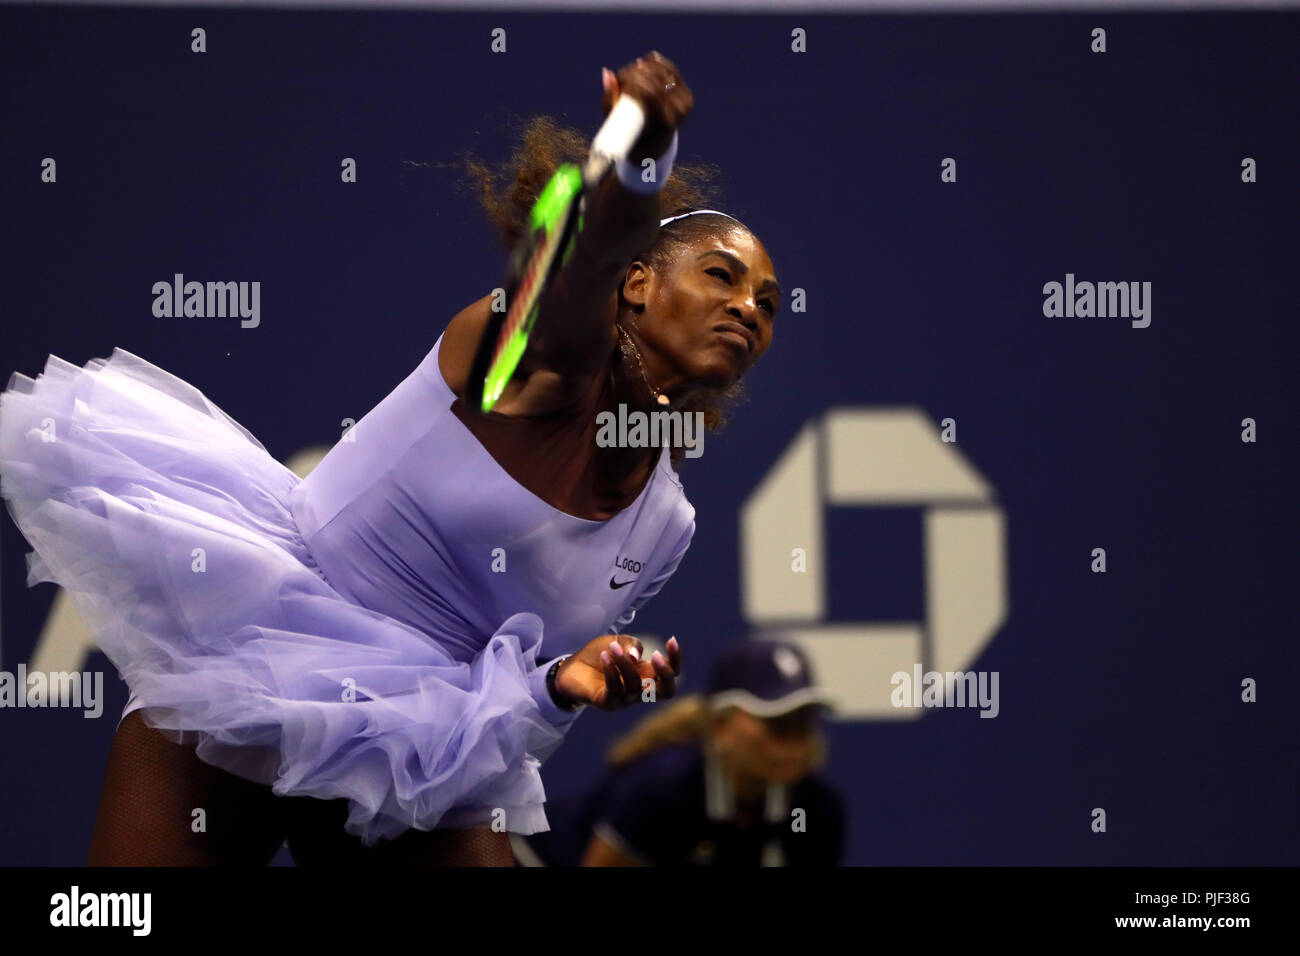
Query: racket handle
(621, 128)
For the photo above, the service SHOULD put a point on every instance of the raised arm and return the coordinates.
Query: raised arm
(575, 331)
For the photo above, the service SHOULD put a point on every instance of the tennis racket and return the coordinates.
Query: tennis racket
(553, 228)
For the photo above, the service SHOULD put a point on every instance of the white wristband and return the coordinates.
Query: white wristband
(630, 175)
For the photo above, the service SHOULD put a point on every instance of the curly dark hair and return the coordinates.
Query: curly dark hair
(508, 191)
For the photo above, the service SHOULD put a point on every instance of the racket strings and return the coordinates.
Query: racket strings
(522, 303)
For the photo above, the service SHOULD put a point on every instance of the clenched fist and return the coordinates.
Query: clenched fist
(655, 82)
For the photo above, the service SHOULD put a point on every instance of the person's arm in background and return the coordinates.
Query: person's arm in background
(638, 820)
(601, 852)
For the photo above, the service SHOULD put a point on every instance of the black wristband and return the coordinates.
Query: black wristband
(551, 689)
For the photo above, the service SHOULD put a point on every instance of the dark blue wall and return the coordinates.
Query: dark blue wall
(1119, 690)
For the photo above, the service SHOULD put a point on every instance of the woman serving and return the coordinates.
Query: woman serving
(392, 646)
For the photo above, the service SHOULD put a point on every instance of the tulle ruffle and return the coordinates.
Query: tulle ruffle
(167, 522)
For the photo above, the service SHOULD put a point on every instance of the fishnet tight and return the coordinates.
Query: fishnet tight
(152, 787)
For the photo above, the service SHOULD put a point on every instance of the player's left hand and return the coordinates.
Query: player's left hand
(609, 673)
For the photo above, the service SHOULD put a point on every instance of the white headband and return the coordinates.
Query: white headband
(697, 212)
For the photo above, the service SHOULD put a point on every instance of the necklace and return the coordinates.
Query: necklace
(654, 392)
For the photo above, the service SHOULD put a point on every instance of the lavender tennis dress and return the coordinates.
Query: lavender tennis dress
(378, 631)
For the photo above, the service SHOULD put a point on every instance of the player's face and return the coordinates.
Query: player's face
(777, 749)
(711, 313)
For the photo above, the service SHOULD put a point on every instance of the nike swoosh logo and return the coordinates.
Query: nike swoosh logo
(621, 584)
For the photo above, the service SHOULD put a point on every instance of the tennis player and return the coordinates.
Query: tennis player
(372, 663)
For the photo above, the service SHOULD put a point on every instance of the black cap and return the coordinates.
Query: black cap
(765, 678)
